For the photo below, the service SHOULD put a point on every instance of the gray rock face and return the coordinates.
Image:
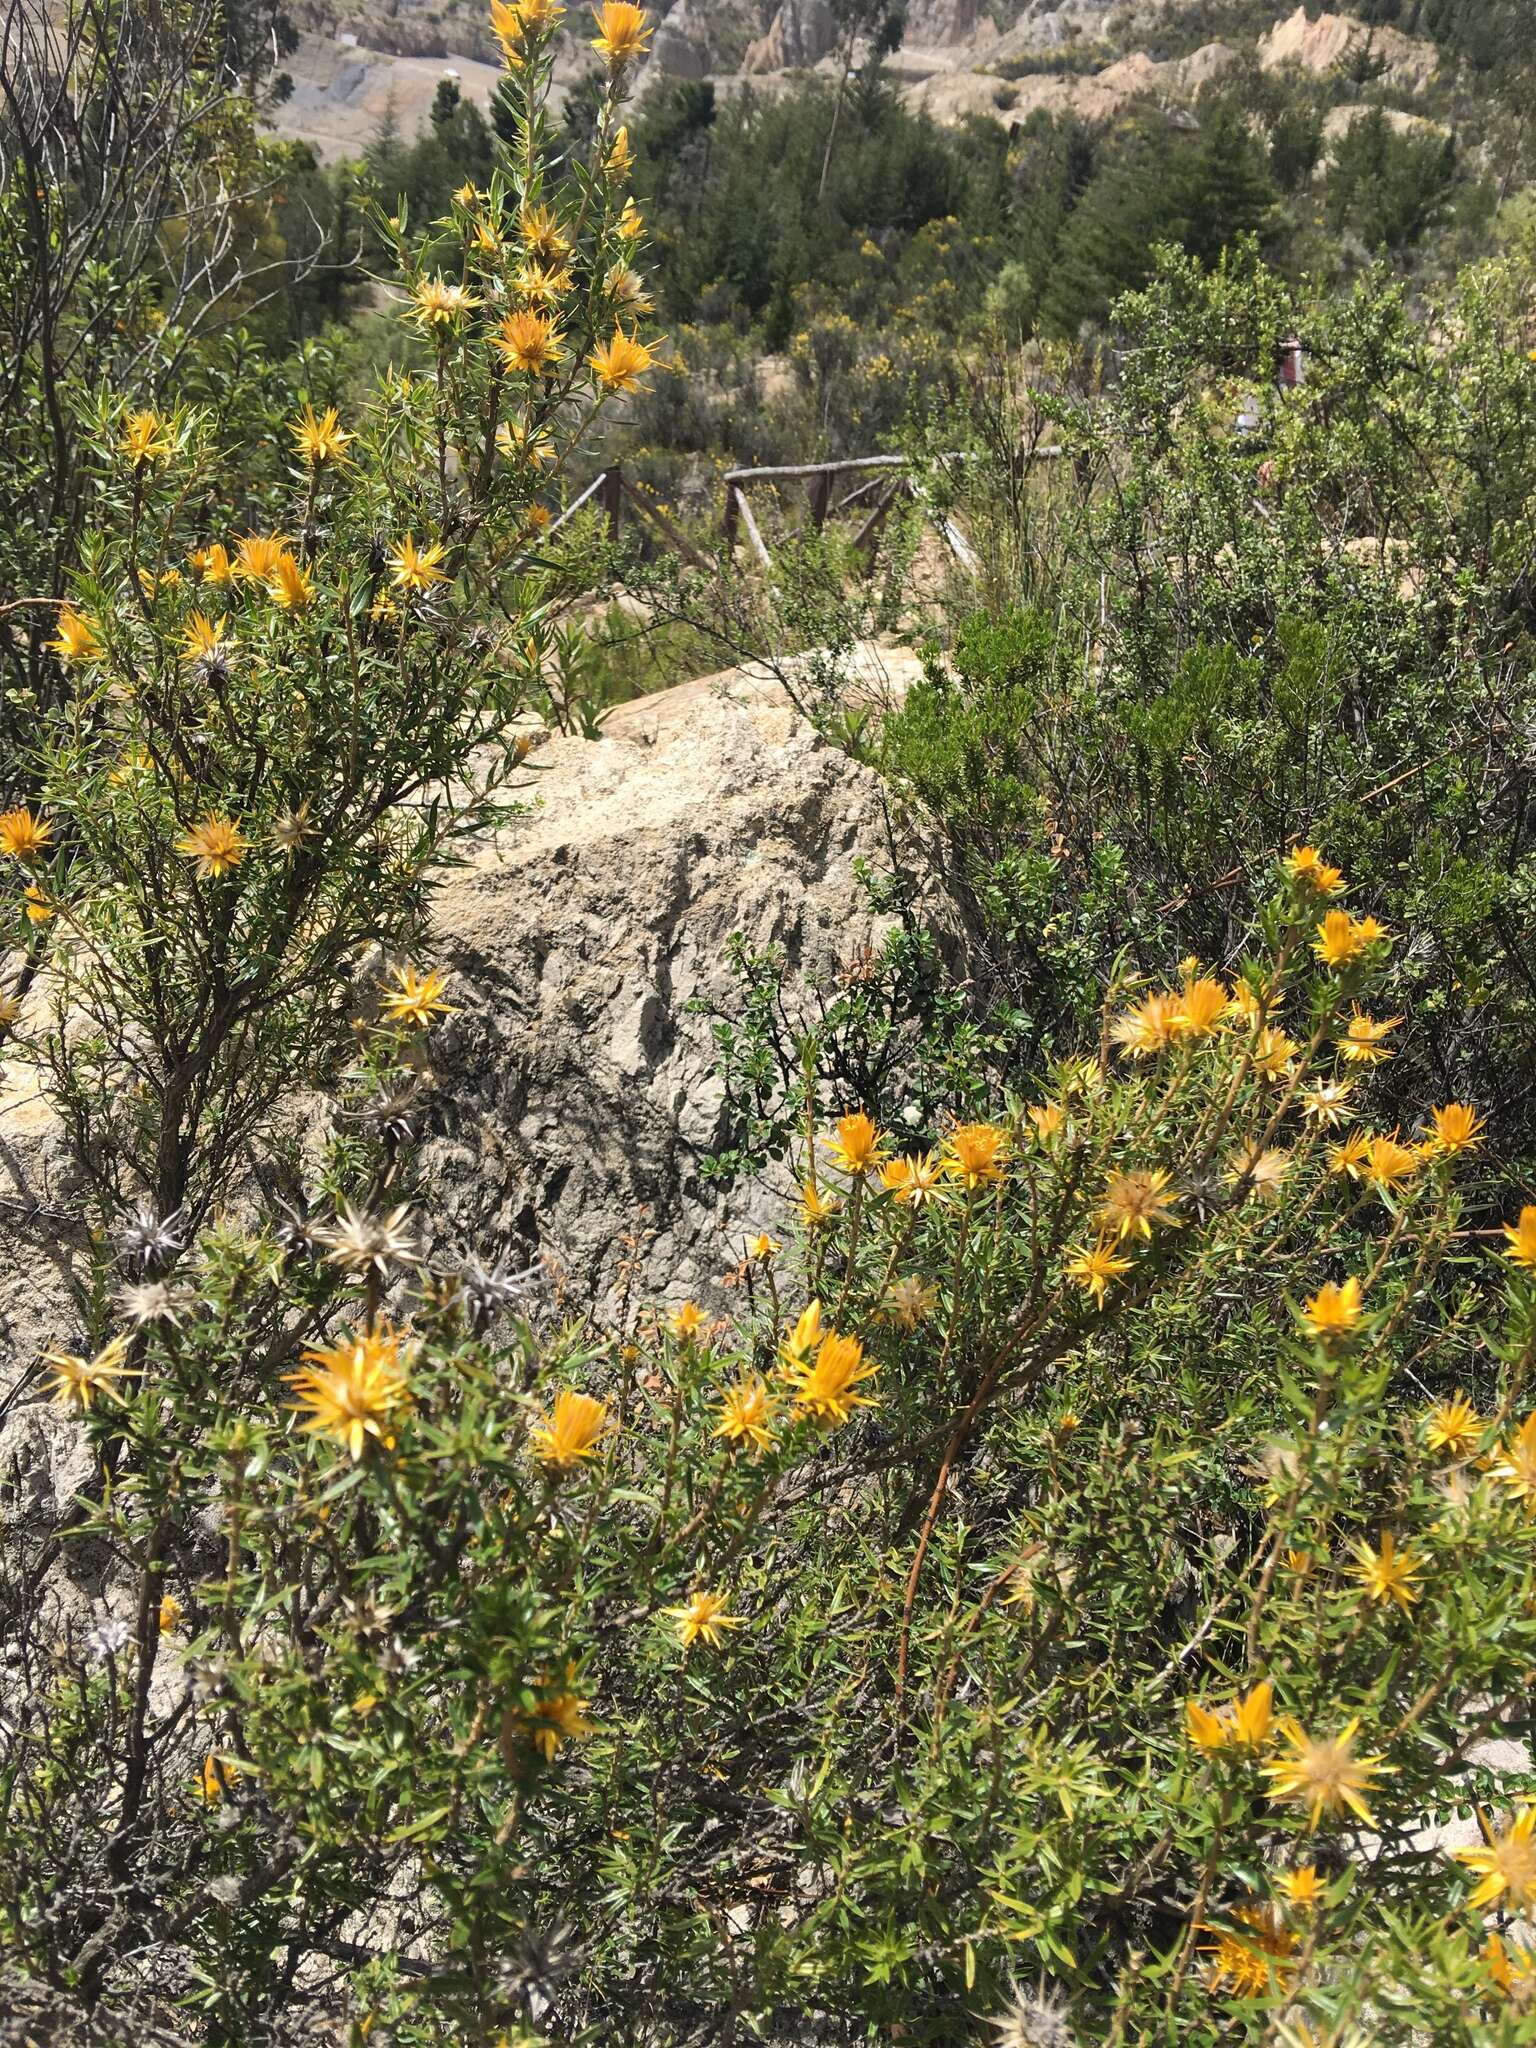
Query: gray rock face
(582, 1084)
(799, 36)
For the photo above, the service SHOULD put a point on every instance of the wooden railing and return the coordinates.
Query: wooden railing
(887, 479)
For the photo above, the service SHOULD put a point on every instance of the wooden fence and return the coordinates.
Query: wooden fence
(886, 479)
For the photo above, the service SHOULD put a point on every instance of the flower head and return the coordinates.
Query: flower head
(561, 1718)
(1342, 940)
(414, 998)
(1324, 1774)
(1521, 1249)
(1305, 864)
(686, 1321)
(350, 1389)
(572, 1432)
(1457, 1128)
(1327, 1104)
(1096, 1267)
(909, 1301)
(24, 835)
(622, 33)
(212, 563)
(975, 1153)
(704, 1619)
(362, 1244)
(216, 845)
(1334, 1311)
(858, 1145)
(75, 636)
(319, 440)
(528, 341)
(203, 641)
(1301, 1886)
(289, 587)
(257, 556)
(1152, 1026)
(412, 568)
(36, 904)
(1244, 1723)
(1506, 1865)
(817, 1208)
(1389, 1164)
(621, 362)
(1387, 1573)
(827, 1387)
(1516, 1467)
(145, 439)
(746, 1415)
(440, 304)
(1454, 1426)
(77, 1381)
(620, 160)
(1134, 1201)
(1362, 1040)
(1249, 1958)
(914, 1180)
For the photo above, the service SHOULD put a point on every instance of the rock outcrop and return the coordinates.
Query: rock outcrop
(799, 36)
(1332, 40)
(590, 942)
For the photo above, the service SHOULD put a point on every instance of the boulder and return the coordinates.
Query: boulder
(799, 36)
(589, 943)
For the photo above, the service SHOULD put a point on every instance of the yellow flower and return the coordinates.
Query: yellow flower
(38, 908)
(516, 438)
(75, 636)
(1244, 1723)
(573, 1432)
(622, 33)
(1334, 1311)
(1517, 1461)
(486, 238)
(1507, 1865)
(562, 1718)
(507, 28)
(416, 998)
(1325, 1775)
(1342, 940)
(914, 1180)
(801, 1342)
(620, 160)
(528, 341)
(1513, 1968)
(764, 1247)
(621, 362)
(1151, 1027)
(975, 1153)
(541, 287)
(1458, 1128)
(23, 836)
(1454, 1426)
(628, 287)
(77, 1381)
(1203, 1007)
(686, 1321)
(1352, 1157)
(217, 844)
(257, 556)
(1326, 1104)
(909, 1301)
(1048, 1120)
(828, 1387)
(540, 234)
(858, 1145)
(289, 587)
(351, 1388)
(212, 563)
(412, 569)
(631, 222)
(1389, 1164)
(440, 304)
(1302, 1886)
(746, 1414)
(145, 438)
(1272, 1054)
(1521, 1249)
(1133, 1202)
(1361, 1042)
(1387, 1573)
(1096, 1268)
(815, 1208)
(203, 639)
(704, 1619)
(1298, 1561)
(1307, 865)
(319, 440)
(215, 1778)
(168, 1614)
(1248, 1960)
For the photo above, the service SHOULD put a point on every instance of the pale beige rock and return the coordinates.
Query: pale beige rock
(1332, 39)
(582, 1087)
